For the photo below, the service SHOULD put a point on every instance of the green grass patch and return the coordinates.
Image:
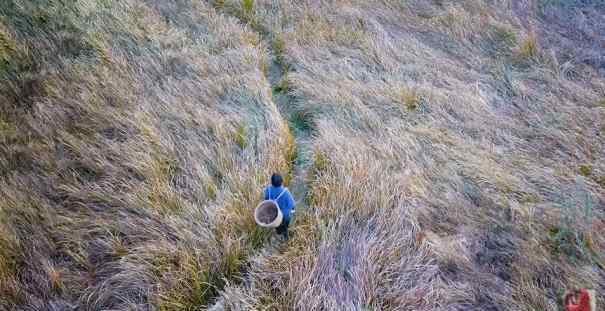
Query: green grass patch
(241, 137)
(302, 120)
(585, 170)
(283, 86)
(291, 149)
(291, 155)
(279, 48)
(568, 242)
(193, 289)
(198, 282)
(233, 259)
(572, 236)
(246, 13)
(503, 37)
(211, 190)
(248, 7)
(258, 237)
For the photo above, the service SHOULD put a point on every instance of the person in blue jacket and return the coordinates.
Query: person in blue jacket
(285, 201)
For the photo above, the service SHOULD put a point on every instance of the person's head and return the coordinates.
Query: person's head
(276, 180)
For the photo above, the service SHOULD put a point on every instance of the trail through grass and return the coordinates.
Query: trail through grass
(277, 76)
(302, 154)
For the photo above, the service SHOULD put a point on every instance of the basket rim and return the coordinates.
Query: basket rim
(276, 221)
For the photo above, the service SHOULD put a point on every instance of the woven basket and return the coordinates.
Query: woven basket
(265, 214)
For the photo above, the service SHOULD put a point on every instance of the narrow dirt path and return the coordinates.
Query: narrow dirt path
(298, 182)
(277, 77)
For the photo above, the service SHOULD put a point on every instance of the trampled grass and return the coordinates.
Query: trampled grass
(457, 154)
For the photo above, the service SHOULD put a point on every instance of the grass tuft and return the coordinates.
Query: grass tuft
(410, 98)
(279, 48)
(529, 47)
(7, 47)
(585, 170)
(503, 37)
(248, 6)
(320, 162)
(283, 86)
(568, 242)
(241, 137)
(302, 120)
(211, 190)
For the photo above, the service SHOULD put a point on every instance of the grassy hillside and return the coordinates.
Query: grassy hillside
(135, 135)
(456, 153)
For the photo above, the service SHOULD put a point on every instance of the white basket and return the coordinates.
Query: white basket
(263, 207)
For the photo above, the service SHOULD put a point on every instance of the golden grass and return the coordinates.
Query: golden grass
(529, 47)
(136, 137)
(468, 167)
(7, 46)
(410, 99)
(117, 112)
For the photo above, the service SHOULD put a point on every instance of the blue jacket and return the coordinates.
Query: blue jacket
(286, 201)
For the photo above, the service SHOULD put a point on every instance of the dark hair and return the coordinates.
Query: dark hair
(276, 180)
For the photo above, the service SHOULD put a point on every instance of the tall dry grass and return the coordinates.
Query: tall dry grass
(135, 138)
(457, 154)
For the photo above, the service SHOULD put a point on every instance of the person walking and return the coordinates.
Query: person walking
(276, 191)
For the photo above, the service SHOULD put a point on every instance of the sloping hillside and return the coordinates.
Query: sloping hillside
(453, 153)
(135, 135)
(458, 153)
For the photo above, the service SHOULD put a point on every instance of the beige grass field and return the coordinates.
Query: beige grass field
(445, 155)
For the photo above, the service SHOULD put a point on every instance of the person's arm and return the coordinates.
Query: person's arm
(266, 193)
